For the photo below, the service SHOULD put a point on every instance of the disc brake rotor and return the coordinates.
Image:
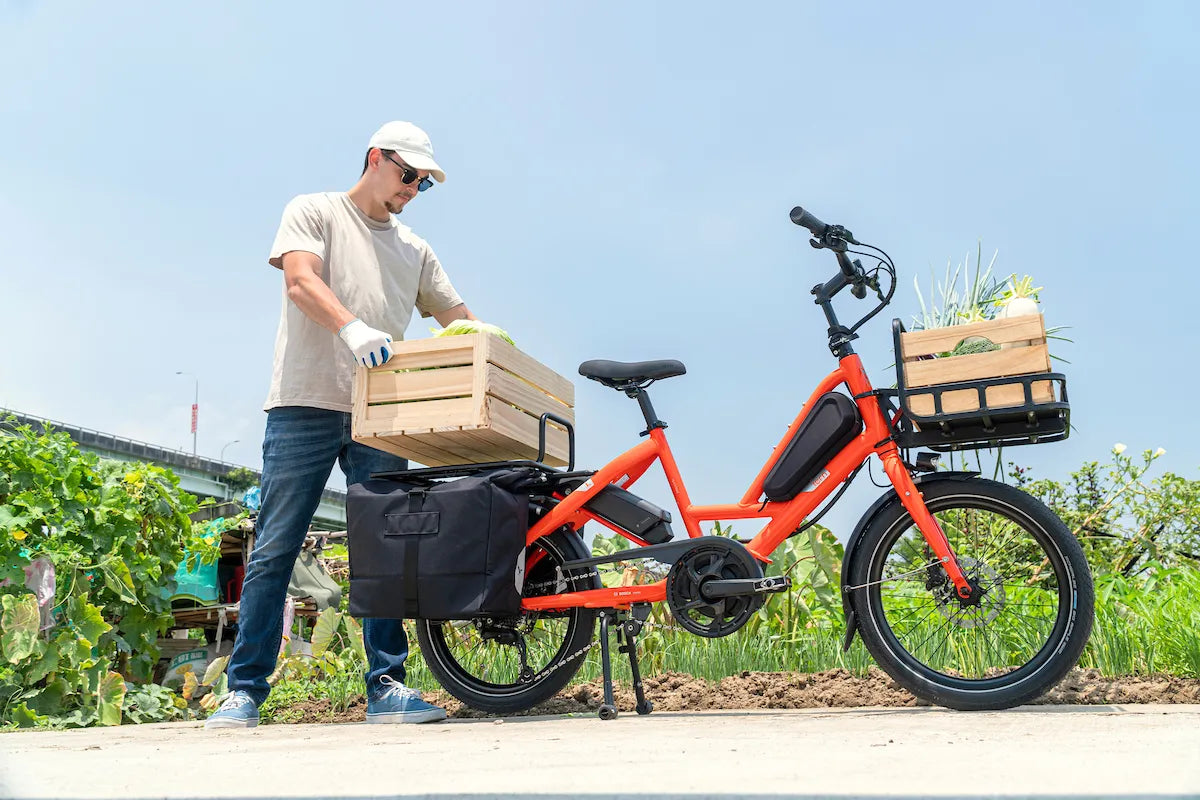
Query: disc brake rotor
(971, 615)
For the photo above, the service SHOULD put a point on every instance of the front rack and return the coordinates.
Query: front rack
(1033, 421)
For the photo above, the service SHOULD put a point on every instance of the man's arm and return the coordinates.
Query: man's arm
(305, 288)
(310, 293)
(459, 311)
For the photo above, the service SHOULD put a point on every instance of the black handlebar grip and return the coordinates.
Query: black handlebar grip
(807, 220)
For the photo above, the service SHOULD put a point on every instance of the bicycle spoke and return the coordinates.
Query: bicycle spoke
(1003, 628)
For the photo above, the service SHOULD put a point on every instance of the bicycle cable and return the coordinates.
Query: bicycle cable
(845, 485)
(871, 475)
(886, 264)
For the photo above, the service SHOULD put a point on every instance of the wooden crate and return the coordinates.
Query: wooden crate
(1023, 351)
(461, 400)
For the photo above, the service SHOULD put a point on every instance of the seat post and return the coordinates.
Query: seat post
(652, 420)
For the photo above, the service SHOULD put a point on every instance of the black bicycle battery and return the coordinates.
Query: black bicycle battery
(831, 425)
(631, 513)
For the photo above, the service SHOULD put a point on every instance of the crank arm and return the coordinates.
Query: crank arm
(742, 587)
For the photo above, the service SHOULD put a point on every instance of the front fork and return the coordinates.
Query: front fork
(914, 503)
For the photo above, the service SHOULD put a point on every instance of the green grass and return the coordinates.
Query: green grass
(1147, 625)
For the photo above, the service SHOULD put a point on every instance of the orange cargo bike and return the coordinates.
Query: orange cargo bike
(970, 593)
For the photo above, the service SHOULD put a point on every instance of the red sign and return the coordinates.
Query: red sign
(195, 409)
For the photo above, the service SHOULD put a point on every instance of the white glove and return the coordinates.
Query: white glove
(370, 347)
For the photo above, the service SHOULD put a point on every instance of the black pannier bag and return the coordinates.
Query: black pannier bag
(452, 550)
(833, 424)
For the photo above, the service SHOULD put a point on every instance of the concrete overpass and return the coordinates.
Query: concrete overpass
(197, 475)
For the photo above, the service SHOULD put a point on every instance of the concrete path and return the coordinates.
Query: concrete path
(1041, 751)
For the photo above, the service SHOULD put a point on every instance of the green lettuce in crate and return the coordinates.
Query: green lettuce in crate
(463, 326)
(974, 344)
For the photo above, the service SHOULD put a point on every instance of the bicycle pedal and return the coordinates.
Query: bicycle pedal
(774, 584)
(742, 587)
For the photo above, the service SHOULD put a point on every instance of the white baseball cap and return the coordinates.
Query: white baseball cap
(411, 143)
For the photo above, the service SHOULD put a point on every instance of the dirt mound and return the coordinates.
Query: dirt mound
(1087, 687)
(674, 691)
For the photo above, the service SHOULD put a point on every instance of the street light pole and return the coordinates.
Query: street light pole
(195, 408)
(225, 486)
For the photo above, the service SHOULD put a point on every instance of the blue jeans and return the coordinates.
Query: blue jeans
(299, 450)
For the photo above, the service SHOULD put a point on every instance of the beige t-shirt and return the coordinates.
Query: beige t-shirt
(379, 271)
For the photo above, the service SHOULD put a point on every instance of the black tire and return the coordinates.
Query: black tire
(485, 674)
(1027, 630)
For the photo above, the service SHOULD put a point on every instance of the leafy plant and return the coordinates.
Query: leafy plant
(954, 304)
(1125, 524)
(113, 533)
(240, 479)
(1022, 287)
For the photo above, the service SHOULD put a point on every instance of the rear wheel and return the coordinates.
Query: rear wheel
(504, 666)
(1023, 628)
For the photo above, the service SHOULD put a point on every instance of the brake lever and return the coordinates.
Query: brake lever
(835, 238)
(873, 282)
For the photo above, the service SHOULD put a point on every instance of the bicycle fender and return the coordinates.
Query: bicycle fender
(882, 503)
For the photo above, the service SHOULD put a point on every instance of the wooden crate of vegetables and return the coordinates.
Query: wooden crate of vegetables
(466, 399)
(999, 348)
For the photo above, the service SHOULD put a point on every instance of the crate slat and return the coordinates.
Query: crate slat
(507, 357)
(420, 415)
(412, 447)
(1029, 328)
(523, 430)
(460, 446)
(389, 387)
(431, 353)
(506, 388)
(994, 364)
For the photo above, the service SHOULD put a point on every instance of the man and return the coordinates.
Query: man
(352, 277)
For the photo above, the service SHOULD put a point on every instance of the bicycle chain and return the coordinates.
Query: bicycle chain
(564, 579)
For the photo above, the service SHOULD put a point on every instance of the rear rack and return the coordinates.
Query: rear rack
(429, 475)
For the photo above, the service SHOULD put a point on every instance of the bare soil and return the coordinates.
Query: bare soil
(674, 691)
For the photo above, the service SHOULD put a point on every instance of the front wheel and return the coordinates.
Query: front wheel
(1024, 626)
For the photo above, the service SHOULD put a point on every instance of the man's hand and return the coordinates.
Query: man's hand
(370, 347)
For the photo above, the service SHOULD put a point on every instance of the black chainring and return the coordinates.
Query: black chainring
(719, 559)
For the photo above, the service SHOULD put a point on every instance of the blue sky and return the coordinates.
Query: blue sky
(619, 178)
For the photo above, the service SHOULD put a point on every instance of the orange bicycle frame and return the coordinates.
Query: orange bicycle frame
(783, 518)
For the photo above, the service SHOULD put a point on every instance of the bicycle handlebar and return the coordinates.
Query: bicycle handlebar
(806, 220)
(850, 275)
(836, 238)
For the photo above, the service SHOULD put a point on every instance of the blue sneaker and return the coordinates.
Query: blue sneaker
(238, 711)
(395, 702)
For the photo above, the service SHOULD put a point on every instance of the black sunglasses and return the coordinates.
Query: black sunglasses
(409, 175)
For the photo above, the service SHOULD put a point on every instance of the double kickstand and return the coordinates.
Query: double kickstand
(629, 625)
